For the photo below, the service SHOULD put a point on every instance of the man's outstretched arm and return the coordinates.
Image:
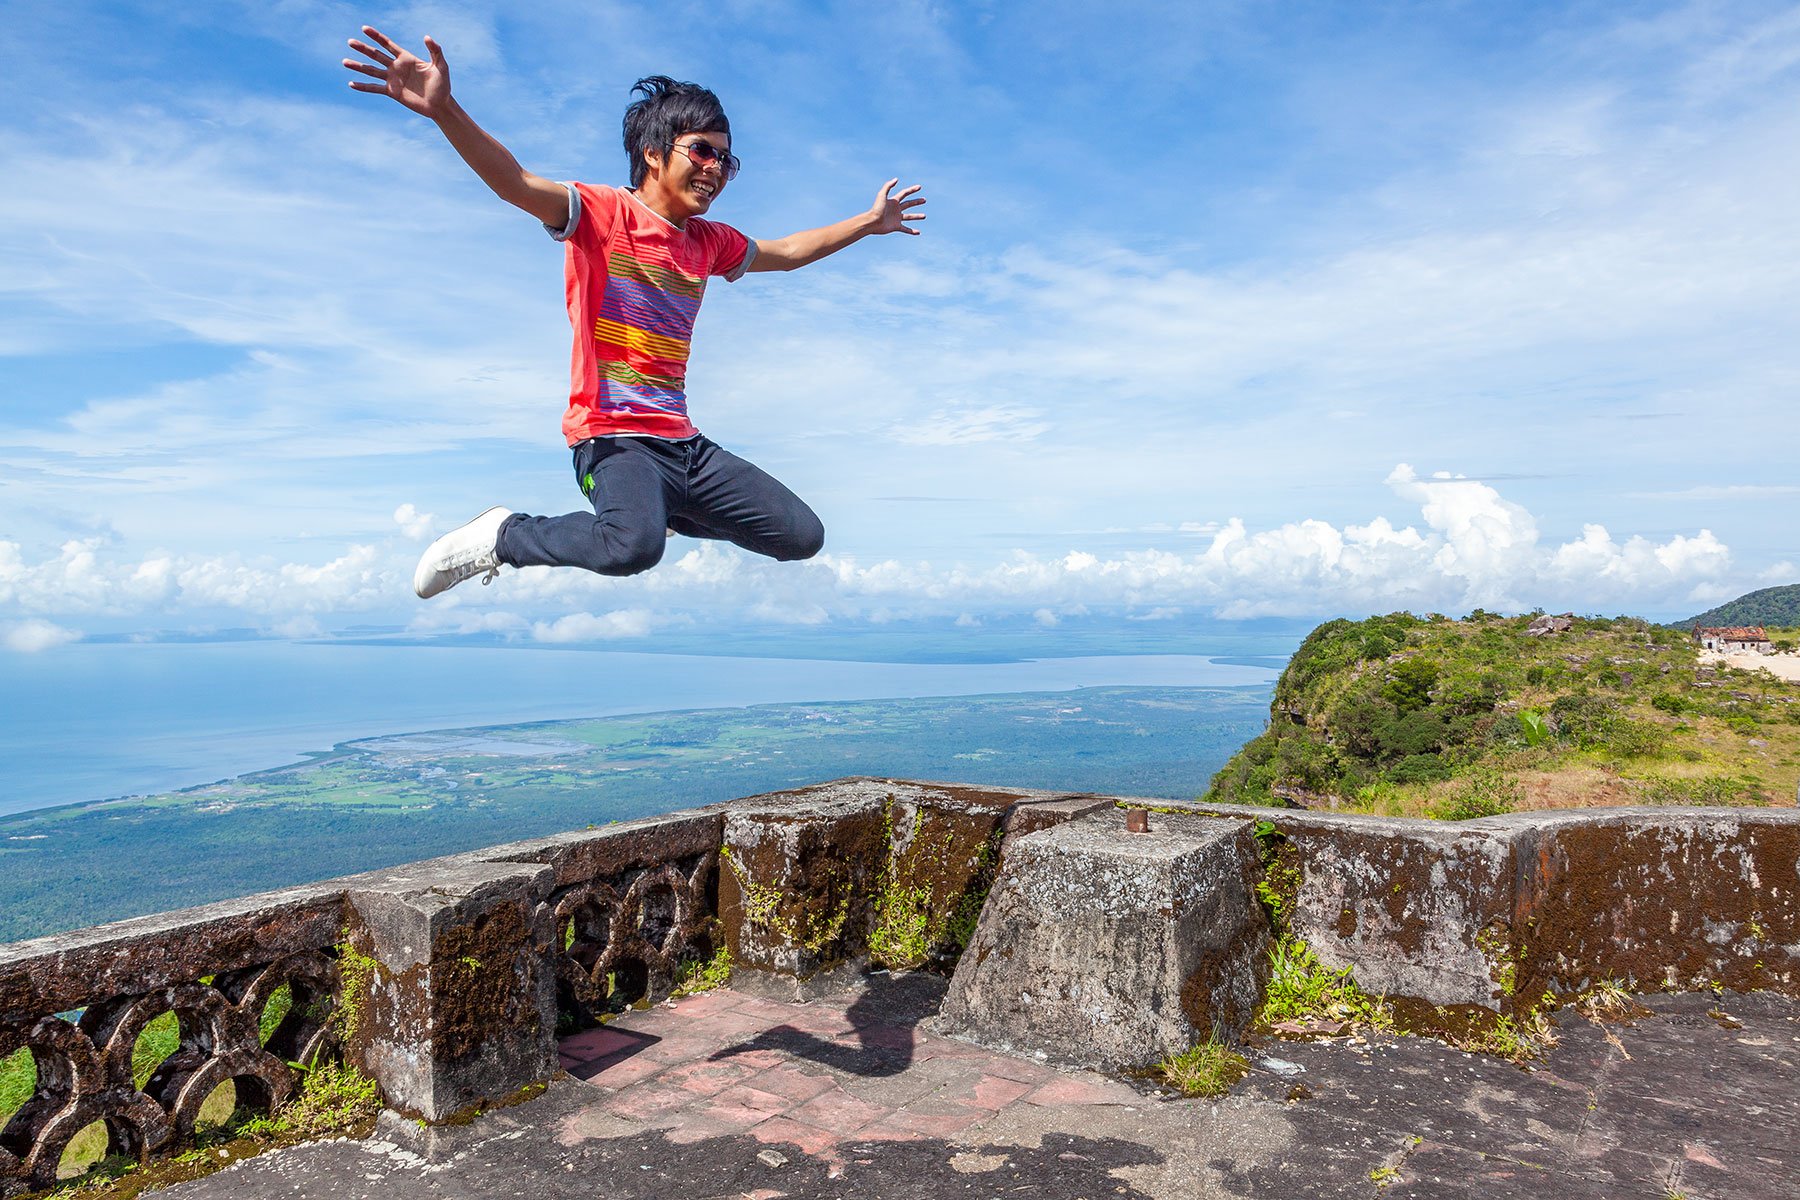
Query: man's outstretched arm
(889, 214)
(424, 87)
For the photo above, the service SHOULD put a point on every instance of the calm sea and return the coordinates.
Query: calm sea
(96, 721)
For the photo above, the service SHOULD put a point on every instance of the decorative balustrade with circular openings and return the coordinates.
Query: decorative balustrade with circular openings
(623, 938)
(86, 1076)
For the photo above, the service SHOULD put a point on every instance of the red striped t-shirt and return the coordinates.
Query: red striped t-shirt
(634, 284)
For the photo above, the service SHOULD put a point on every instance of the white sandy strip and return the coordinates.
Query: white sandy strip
(1782, 666)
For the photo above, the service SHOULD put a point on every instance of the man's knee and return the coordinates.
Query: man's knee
(804, 540)
(629, 554)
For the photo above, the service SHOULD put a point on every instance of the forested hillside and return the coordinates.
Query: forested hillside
(1775, 606)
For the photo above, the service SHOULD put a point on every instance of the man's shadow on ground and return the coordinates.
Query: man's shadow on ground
(883, 1018)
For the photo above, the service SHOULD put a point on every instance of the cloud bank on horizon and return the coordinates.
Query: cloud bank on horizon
(1470, 548)
(1178, 312)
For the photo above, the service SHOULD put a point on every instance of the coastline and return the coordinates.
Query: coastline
(330, 698)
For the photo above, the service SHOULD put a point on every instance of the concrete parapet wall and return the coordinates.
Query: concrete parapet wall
(1657, 899)
(447, 979)
(1497, 911)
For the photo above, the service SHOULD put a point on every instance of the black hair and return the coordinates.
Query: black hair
(669, 108)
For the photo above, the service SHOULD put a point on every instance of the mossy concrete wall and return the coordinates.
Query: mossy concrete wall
(1496, 912)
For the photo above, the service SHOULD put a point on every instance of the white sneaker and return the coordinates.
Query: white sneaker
(467, 550)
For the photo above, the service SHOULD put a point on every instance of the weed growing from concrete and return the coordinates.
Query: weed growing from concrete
(901, 937)
(334, 1097)
(1608, 1000)
(960, 928)
(703, 974)
(1301, 988)
(1209, 1070)
(1518, 1040)
(910, 929)
(762, 901)
(1503, 966)
(356, 973)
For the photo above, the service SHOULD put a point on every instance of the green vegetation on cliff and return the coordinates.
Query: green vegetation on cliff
(1409, 715)
(1775, 606)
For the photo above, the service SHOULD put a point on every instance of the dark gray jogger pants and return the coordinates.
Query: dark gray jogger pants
(642, 486)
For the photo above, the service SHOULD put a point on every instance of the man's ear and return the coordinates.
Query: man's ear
(653, 160)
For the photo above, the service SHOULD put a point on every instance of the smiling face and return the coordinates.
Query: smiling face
(677, 186)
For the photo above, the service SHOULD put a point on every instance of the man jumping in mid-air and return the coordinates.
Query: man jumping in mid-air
(635, 267)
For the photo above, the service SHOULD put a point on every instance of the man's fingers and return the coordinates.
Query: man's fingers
(366, 68)
(436, 51)
(912, 216)
(360, 86)
(905, 192)
(364, 48)
(911, 203)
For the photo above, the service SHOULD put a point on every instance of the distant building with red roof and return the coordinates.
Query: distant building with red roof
(1734, 638)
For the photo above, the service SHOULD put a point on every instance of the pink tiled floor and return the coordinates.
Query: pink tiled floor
(810, 1075)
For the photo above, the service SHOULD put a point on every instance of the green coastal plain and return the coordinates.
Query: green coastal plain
(382, 801)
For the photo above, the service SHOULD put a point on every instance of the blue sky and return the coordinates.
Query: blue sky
(1247, 309)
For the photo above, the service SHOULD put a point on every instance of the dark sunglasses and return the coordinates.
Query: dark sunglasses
(701, 152)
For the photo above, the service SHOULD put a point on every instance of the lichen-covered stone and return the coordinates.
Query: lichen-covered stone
(1103, 947)
(1419, 909)
(797, 890)
(1495, 912)
(1658, 899)
(460, 993)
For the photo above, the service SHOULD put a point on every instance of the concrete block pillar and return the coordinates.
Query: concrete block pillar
(449, 992)
(797, 886)
(1101, 947)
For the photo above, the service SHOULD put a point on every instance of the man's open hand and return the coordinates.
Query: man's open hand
(422, 86)
(891, 211)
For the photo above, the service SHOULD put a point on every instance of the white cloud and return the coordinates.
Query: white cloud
(589, 627)
(31, 637)
(988, 423)
(413, 523)
(88, 576)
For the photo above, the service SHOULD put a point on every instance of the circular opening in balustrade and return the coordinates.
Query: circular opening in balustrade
(658, 914)
(275, 1010)
(18, 1080)
(216, 1109)
(628, 983)
(229, 1105)
(85, 1151)
(160, 1038)
(587, 931)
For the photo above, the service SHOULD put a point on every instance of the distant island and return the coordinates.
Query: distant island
(1429, 716)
